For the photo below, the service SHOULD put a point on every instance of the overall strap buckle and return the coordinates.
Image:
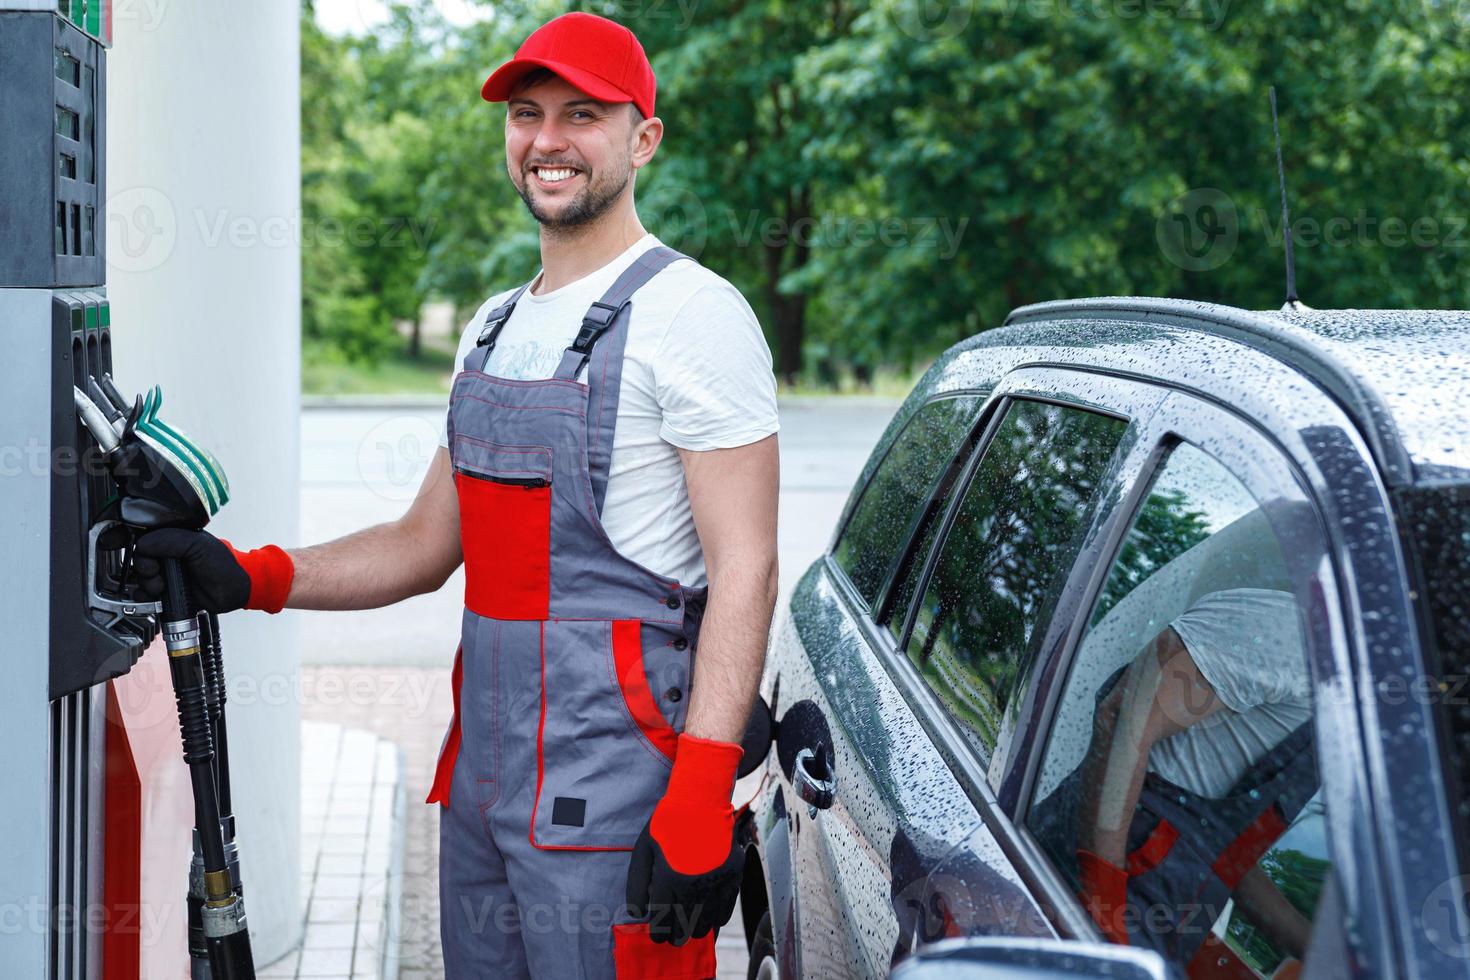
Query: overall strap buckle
(603, 313)
(598, 318)
(490, 330)
(494, 321)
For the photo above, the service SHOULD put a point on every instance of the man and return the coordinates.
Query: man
(1201, 757)
(609, 463)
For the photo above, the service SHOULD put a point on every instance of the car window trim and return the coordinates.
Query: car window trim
(857, 501)
(1139, 468)
(956, 478)
(1002, 405)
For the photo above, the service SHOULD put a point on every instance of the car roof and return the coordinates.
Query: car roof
(1400, 375)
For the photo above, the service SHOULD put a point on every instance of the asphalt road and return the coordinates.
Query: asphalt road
(361, 466)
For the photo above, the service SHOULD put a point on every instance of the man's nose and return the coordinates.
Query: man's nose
(550, 137)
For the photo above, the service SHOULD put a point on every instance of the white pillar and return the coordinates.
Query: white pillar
(203, 182)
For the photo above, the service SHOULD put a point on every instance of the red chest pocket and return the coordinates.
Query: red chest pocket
(504, 527)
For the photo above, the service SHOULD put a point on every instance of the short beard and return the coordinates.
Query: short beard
(586, 207)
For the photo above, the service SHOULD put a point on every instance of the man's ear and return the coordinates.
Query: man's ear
(646, 137)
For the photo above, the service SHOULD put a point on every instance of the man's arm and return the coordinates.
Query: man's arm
(386, 563)
(1160, 694)
(732, 494)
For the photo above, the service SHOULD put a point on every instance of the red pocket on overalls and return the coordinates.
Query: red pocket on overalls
(504, 527)
(637, 957)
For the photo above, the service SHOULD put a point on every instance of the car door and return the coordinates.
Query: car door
(843, 731)
(861, 721)
(1213, 576)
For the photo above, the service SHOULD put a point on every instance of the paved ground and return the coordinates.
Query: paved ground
(387, 670)
(352, 815)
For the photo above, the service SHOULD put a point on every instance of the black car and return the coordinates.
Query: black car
(1146, 623)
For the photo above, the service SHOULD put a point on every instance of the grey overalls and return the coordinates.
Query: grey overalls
(571, 679)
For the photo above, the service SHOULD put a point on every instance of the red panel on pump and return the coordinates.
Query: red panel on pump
(121, 847)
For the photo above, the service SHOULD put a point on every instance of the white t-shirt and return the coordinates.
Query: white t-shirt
(1248, 644)
(696, 375)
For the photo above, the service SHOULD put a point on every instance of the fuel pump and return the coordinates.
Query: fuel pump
(165, 479)
(82, 473)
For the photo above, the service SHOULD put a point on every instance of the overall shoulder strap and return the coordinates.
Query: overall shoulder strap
(490, 330)
(601, 315)
(604, 378)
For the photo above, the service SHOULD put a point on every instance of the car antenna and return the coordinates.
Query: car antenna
(1293, 302)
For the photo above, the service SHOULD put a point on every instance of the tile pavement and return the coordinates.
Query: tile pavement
(352, 822)
(410, 706)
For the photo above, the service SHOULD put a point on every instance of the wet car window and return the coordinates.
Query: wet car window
(1438, 524)
(879, 526)
(908, 583)
(1178, 792)
(1014, 537)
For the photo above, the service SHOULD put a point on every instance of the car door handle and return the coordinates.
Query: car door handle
(815, 783)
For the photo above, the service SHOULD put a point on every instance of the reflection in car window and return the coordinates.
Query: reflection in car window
(1014, 537)
(898, 489)
(1179, 790)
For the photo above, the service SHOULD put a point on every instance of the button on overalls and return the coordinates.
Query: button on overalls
(571, 680)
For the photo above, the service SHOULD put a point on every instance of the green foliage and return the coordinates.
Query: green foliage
(1300, 878)
(884, 177)
(1168, 525)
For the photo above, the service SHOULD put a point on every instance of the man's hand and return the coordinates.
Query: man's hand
(685, 871)
(221, 578)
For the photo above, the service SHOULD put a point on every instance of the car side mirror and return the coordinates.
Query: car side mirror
(1014, 958)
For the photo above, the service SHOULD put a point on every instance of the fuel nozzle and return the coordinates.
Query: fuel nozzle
(97, 423)
(166, 479)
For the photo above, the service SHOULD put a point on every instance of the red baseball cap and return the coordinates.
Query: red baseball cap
(594, 54)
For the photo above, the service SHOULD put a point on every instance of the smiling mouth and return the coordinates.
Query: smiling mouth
(554, 175)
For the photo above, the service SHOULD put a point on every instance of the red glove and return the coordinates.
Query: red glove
(222, 578)
(1104, 890)
(271, 572)
(685, 870)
